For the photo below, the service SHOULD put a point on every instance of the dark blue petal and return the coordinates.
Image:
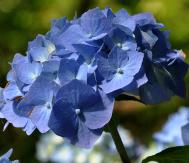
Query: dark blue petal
(123, 40)
(165, 77)
(95, 108)
(71, 69)
(86, 137)
(63, 119)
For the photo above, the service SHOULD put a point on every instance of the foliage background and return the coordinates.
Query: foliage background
(22, 20)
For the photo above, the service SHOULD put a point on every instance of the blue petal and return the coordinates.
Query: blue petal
(15, 119)
(144, 19)
(51, 66)
(86, 137)
(39, 54)
(100, 113)
(74, 34)
(118, 82)
(76, 92)
(40, 117)
(18, 58)
(149, 38)
(123, 40)
(124, 21)
(63, 119)
(95, 24)
(11, 91)
(29, 128)
(119, 69)
(152, 93)
(69, 70)
(96, 112)
(30, 73)
(87, 51)
(108, 13)
(58, 26)
(40, 93)
(40, 49)
(166, 78)
(10, 76)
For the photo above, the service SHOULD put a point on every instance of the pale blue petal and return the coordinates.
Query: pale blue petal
(40, 117)
(11, 91)
(27, 72)
(86, 137)
(95, 24)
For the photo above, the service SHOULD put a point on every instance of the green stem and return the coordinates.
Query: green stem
(112, 128)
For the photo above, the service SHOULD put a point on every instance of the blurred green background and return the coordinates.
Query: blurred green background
(22, 20)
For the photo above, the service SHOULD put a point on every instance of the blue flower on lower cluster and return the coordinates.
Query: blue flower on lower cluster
(171, 132)
(51, 148)
(72, 74)
(5, 158)
(185, 131)
(80, 117)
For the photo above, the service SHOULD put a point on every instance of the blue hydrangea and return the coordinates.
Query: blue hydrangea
(171, 132)
(72, 74)
(161, 62)
(185, 131)
(5, 158)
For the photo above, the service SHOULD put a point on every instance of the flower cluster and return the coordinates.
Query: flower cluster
(171, 135)
(69, 78)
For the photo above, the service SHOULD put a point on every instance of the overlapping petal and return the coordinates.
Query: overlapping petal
(119, 69)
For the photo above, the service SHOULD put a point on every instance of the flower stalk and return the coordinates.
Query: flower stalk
(112, 129)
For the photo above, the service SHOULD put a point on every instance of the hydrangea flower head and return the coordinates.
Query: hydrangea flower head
(69, 77)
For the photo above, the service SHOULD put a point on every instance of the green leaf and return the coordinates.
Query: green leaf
(179, 154)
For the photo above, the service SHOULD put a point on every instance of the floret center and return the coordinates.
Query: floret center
(120, 71)
(77, 111)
